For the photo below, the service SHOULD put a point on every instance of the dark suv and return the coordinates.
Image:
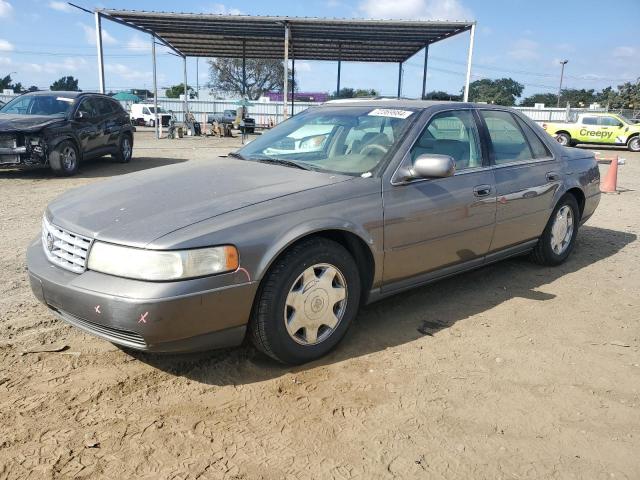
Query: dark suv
(59, 129)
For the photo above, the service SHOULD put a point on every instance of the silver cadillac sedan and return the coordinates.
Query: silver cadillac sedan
(285, 239)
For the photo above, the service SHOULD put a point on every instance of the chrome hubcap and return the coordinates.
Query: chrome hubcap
(562, 230)
(68, 158)
(126, 148)
(635, 144)
(315, 304)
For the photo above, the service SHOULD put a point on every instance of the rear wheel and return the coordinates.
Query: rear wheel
(564, 139)
(307, 302)
(125, 149)
(634, 144)
(64, 159)
(558, 238)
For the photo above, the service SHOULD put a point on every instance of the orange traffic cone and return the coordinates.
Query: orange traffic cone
(609, 185)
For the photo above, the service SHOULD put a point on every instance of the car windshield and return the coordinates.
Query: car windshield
(627, 120)
(346, 140)
(160, 110)
(51, 105)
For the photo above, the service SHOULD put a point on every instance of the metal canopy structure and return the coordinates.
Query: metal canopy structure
(209, 35)
(295, 38)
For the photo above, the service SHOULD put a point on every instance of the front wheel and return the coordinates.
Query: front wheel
(559, 236)
(564, 139)
(307, 302)
(634, 144)
(64, 159)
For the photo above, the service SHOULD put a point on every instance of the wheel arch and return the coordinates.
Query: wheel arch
(579, 195)
(357, 244)
(53, 144)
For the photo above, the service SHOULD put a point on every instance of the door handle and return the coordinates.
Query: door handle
(553, 176)
(482, 190)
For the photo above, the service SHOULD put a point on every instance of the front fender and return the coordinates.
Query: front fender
(301, 230)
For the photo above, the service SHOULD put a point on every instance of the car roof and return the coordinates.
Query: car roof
(396, 103)
(63, 93)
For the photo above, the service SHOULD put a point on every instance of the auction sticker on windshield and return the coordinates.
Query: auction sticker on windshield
(390, 112)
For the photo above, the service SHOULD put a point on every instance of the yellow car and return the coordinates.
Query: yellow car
(597, 128)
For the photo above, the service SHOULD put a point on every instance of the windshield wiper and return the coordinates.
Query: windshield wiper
(286, 163)
(236, 155)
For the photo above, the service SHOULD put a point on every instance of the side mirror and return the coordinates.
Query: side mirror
(430, 166)
(80, 115)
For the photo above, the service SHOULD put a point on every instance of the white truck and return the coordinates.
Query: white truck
(143, 114)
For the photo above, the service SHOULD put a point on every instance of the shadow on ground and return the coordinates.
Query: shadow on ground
(96, 168)
(404, 317)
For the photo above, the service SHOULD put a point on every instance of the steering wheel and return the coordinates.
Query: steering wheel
(373, 147)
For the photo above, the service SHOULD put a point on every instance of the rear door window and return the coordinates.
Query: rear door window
(589, 120)
(508, 140)
(537, 146)
(104, 106)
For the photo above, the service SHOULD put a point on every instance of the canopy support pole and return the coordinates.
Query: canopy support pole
(285, 100)
(155, 88)
(244, 68)
(469, 59)
(293, 85)
(339, 67)
(424, 72)
(186, 93)
(399, 79)
(98, 19)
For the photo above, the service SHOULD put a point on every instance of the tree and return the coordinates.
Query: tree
(502, 91)
(262, 76)
(67, 84)
(6, 83)
(549, 100)
(577, 98)
(32, 88)
(628, 95)
(348, 92)
(440, 95)
(177, 90)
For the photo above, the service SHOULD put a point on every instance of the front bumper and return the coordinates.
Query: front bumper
(186, 316)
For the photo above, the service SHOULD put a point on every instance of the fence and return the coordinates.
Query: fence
(263, 113)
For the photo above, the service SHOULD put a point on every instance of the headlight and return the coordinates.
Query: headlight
(161, 264)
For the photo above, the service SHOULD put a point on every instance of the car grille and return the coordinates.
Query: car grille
(8, 141)
(114, 335)
(65, 249)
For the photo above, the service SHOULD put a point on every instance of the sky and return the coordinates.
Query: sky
(42, 40)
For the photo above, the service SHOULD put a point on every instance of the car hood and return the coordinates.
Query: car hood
(25, 123)
(138, 208)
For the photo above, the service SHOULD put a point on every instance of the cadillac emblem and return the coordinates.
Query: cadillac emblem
(49, 242)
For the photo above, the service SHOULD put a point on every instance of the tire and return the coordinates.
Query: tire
(64, 159)
(125, 149)
(564, 139)
(634, 144)
(550, 250)
(303, 277)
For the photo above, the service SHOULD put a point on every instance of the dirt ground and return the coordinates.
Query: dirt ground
(512, 371)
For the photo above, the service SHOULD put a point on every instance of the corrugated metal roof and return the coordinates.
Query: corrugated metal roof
(212, 35)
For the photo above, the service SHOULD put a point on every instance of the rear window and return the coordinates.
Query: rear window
(537, 146)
